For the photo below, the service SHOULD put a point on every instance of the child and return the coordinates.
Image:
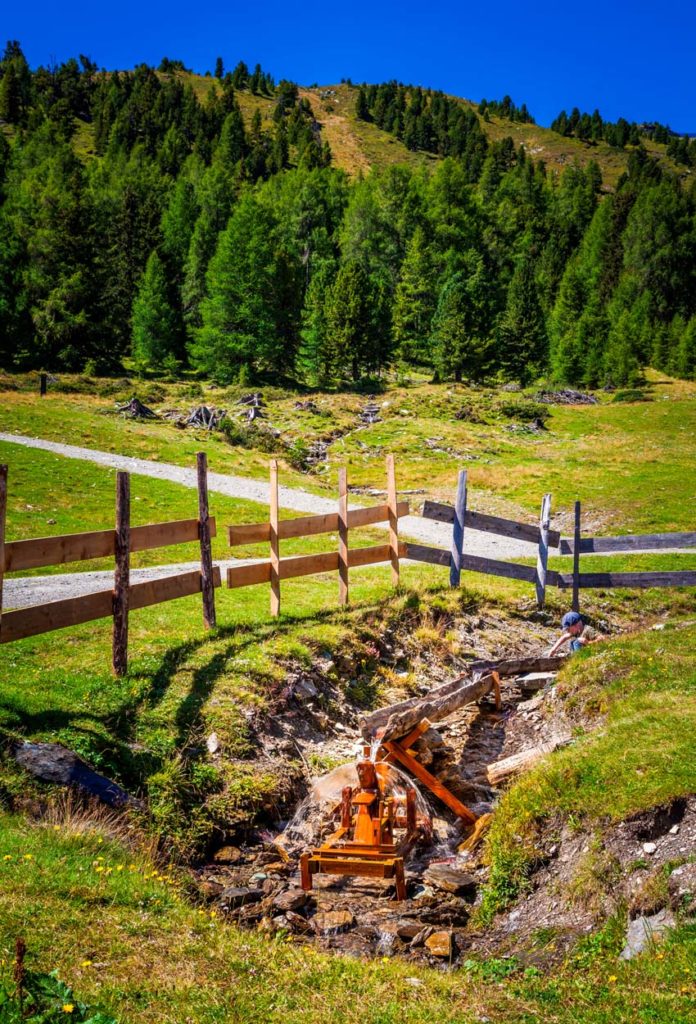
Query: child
(574, 634)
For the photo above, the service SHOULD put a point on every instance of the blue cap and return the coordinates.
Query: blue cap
(570, 619)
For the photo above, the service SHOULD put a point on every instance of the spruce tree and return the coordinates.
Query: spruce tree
(522, 331)
(219, 68)
(155, 324)
(414, 302)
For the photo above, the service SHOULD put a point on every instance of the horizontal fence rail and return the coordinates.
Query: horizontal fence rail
(631, 542)
(118, 543)
(73, 611)
(442, 513)
(81, 547)
(312, 526)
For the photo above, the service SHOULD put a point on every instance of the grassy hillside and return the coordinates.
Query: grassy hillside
(117, 926)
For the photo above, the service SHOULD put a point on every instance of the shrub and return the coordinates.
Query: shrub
(522, 409)
(631, 395)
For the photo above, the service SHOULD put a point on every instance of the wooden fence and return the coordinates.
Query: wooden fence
(341, 522)
(544, 538)
(118, 543)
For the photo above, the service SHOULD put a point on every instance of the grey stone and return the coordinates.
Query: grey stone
(459, 883)
(644, 930)
(291, 899)
(682, 886)
(51, 762)
(239, 896)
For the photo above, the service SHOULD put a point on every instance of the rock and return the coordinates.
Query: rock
(330, 922)
(212, 743)
(682, 886)
(291, 899)
(51, 762)
(297, 922)
(210, 888)
(239, 896)
(649, 847)
(420, 937)
(228, 855)
(459, 883)
(644, 930)
(258, 876)
(674, 831)
(408, 930)
(305, 688)
(440, 944)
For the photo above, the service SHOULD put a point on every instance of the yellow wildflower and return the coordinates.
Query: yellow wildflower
(99, 868)
(612, 979)
(119, 867)
(28, 856)
(99, 839)
(56, 828)
(8, 856)
(86, 963)
(68, 1007)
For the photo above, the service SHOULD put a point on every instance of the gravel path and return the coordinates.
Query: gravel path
(22, 592)
(294, 499)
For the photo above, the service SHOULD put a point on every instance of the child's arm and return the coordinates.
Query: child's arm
(559, 643)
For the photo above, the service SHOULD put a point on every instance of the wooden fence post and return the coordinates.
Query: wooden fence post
(275, 547)
(543, 553)
(576, 560)
(458, 530)
(393, 520)
(121, 575)
(343, 536)
(3, 514)
(207, 585)
(43, 384)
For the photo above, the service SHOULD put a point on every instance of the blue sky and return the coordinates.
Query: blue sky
(632, 59)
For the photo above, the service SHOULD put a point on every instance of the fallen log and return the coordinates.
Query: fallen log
(519, 666)
(398, 719)
(501, 771)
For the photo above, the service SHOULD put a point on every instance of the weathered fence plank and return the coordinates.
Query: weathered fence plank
(543, 553)
(642, 580)
(630, 542)
(458, 530)
(576, 560)
(3, 515)
(207, 585)
(474, 563)
(489, 524)
(121, 575)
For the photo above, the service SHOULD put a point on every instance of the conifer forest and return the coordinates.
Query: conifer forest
(192, 238)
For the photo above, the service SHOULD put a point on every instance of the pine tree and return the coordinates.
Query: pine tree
(219, 68)
(362, 111)
(155, 323)
(522, 331)
(414, 302)
(349, 319)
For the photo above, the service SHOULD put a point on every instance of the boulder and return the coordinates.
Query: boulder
(459, 883)
(682, 887)
(239, 896)
(644, 930)
(228, 855)
(440, 944)
(51, 762)
(291, 899)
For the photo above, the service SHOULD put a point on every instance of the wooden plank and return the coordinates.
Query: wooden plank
(248, 575)
(207, 585)
(169, 588)
(472, 563)
(458, 530)
(78, 547)
(3, 517)
(641, 580)
(342, 536)
(575, 605)
(393, 520)
(73, 611)
(489, 524)
(433, 784)
(311, 526)
(275, 549)
(119, 658)
(543, 552)
(44, 618)
(630, 542)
